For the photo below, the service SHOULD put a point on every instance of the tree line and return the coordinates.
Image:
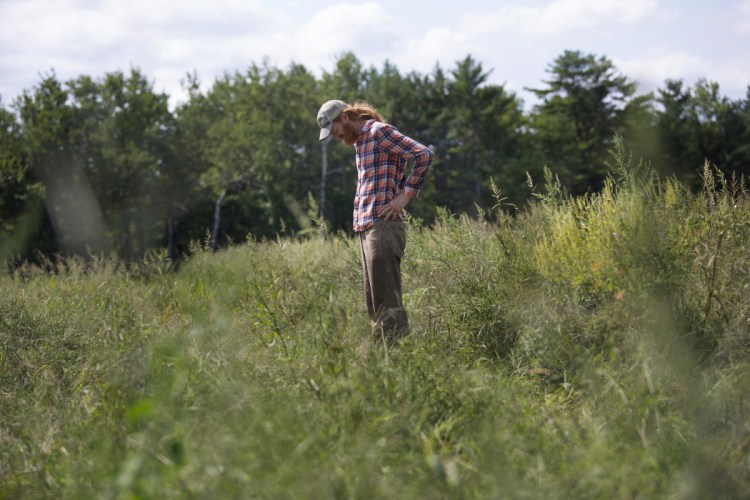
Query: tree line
(103, 166)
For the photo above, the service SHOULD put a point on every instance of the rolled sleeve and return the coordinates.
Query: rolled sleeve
(394, 142)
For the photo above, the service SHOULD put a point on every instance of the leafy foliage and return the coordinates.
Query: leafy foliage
(96, 166)
(583, 108)
(590, 346)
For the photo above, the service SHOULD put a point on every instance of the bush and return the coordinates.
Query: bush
(585, 347)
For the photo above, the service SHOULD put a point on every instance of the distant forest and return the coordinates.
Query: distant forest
(102, 166)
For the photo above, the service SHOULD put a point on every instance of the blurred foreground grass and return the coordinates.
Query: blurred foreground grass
(587, 348)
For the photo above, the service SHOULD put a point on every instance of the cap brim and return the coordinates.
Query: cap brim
(325, 132)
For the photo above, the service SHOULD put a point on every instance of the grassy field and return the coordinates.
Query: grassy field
(594, 347)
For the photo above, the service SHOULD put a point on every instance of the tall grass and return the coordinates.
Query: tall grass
(589, 347)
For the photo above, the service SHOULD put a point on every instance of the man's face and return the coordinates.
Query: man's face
(343, 130)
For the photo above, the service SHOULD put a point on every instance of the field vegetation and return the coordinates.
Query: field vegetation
(593, 346)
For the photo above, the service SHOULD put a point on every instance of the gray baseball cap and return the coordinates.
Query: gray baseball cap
(327, 113)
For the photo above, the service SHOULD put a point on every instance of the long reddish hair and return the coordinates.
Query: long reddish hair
(361, 110)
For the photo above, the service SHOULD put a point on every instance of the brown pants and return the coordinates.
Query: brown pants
(382, 249)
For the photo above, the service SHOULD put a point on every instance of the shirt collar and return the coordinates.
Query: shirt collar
(365, 130)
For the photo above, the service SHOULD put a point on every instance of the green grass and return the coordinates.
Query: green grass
(587, 348)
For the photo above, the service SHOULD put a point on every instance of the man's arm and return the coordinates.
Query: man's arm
(394, 142)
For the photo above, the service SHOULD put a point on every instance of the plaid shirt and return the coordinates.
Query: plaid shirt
(382, 154)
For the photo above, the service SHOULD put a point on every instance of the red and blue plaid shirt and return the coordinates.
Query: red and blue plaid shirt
(382, 154)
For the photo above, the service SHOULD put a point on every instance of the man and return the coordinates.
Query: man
(383, 190)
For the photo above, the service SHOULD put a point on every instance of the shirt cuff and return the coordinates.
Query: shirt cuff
(411, 192)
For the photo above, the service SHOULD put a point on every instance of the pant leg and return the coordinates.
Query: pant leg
(366, 280)
(382, 248)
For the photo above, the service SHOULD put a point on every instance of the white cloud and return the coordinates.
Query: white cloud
(364, 29)
(89, 37)
(560, 16)
(168, 38)
(743, 24)
(112, 22)
(652, 68)
(438, 44)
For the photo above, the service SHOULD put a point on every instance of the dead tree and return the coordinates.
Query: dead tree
(233, 187)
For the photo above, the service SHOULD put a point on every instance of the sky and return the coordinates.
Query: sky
(516, 41)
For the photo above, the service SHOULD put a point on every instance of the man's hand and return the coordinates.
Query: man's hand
(394, 207)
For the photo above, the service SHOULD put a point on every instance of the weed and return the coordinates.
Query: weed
(579, 347)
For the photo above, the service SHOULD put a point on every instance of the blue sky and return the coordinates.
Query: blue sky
(648, 40)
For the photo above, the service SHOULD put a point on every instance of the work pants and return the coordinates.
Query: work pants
(382, 248)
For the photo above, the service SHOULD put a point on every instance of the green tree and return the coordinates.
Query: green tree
(675, 132)
(13, 167)
(434, 130)
(190, 202)
(237, 150)
(482, 125)
(584, 104)
(699, 124)
(722, 129)
(48, 127)
(22, 216)
(466, 104)
(123, 134)
(264, 138)
(295, 169)
(398, 97)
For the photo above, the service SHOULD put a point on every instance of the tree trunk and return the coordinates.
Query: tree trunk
(170, 236)
(217, 218)
(323, 176)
